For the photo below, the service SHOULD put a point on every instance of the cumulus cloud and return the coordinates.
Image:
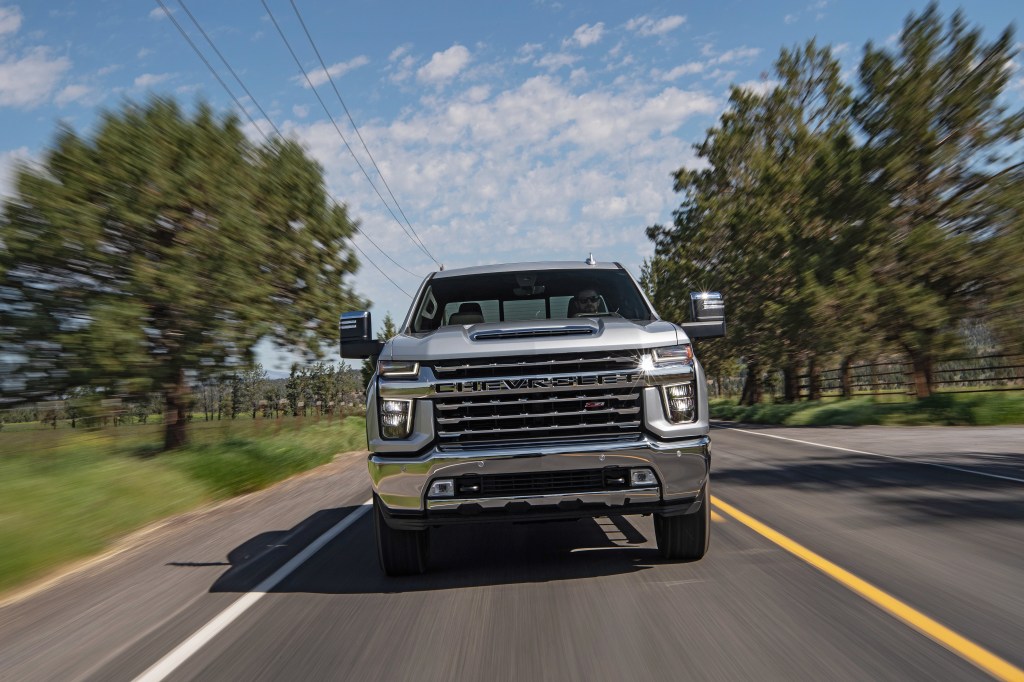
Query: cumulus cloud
(300, 111)
(686, 69)
(10, 20)
(28, 81)
(759, 87)
(399, 51)
(738, 54)
(648, 26)
(320, 76)
(444, 66)
(158, 13)
(556, 61)
(585, 36)
(148, 80)
(72, 93)
(8, 162)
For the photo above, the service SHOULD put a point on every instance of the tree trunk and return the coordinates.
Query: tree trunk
(790, 382)
(921, 368)
(175, 420)
(813, 379)
(846, 377)
(751, 394)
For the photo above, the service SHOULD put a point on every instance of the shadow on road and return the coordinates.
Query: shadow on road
(916, 493)
(461, 556)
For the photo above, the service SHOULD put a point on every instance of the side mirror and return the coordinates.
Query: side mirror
(707, 315)
(356, 333)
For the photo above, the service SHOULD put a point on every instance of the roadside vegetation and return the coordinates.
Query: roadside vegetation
(68, 493)
(939, 409)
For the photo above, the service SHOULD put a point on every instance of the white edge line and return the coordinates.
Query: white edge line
(877, 454)
(169, 663)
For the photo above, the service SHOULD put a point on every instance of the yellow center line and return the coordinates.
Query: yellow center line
(958, 644)
(716, 517)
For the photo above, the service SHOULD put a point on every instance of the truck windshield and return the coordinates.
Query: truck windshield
(539, 295)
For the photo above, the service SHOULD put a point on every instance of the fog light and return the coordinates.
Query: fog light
(395, 418)
(444, 487)
(680, 402)
(642, 477)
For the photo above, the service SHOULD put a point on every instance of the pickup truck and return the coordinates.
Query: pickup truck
(531, 392)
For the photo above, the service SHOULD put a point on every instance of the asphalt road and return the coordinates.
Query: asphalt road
(928, 518)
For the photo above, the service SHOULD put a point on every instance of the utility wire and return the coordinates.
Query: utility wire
(209, 66)
(334, 86)
(228, 66)
(337, 129)
(260, 130)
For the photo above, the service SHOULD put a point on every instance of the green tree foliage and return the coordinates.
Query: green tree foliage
(938, 155)
(844, 223)
(387, 331)
(161, 247)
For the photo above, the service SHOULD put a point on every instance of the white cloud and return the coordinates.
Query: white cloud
(647, 26)
(319, 76)
(143, 53)
(148, 80)
(10, 20)
(556, 60)
(158, 13)
(109, 69)
(8, 162)
(737, 55)
(686, 69)
(758, 87)
(300, 111)
(29, 80)
(585, 36)
(445, 65)
(399, 51)
(72, 93)
(791, 18)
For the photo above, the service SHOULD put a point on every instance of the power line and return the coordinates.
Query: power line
(260, 130)
(337, 129)
(209, 66)
(330, 78)
(228, 66)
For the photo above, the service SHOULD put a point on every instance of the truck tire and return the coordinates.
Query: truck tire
(400, 552)
(685, 538)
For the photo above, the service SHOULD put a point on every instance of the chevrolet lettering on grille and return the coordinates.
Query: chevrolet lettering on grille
(499, 385)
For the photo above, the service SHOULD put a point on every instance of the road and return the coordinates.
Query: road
(901, 560)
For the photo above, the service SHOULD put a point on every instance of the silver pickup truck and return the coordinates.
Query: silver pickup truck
(536, 391)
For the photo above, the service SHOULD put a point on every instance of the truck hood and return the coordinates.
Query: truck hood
(529, 337)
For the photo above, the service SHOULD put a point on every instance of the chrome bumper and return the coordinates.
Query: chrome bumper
(681, 467)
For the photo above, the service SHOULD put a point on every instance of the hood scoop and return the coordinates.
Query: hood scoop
(533, 332)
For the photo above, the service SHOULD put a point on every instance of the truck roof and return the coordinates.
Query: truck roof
(532, 266)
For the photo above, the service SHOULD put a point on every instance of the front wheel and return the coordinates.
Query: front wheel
(400, 552)
(685, 538)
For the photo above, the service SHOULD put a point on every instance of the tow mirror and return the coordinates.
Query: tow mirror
(707, 315)
(356, 333)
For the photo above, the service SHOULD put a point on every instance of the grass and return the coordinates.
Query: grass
(68, 494)
(946, 409)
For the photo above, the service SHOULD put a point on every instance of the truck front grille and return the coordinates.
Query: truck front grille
(585, 414)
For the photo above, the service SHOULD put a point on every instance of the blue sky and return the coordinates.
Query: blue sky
(508, 131)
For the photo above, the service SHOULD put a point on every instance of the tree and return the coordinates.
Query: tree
(162, 247)
(749, 224)
(387, 331)
(939, 154)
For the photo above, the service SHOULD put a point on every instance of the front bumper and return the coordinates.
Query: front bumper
(681, 468)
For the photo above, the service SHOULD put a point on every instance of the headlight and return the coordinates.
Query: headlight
(398, 368)
(680, 402)
(672, 354)
(395, 418)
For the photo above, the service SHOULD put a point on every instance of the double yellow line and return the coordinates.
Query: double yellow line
(958, 644)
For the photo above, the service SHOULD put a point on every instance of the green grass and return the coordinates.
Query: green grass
(67, 494)
(949, 409)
